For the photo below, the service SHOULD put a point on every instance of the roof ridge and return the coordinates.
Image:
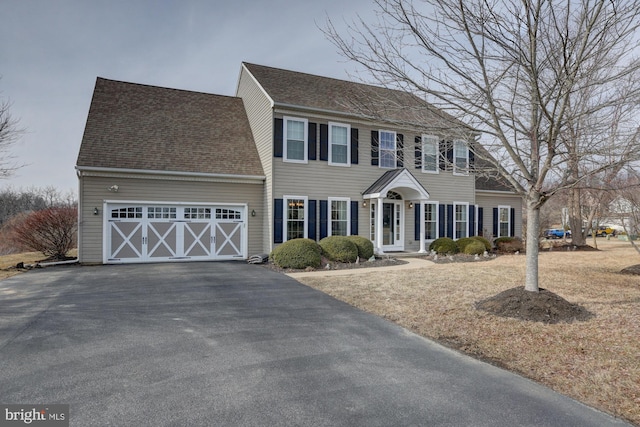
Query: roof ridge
(151, 86)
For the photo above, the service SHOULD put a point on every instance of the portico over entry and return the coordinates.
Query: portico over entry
(389, 196)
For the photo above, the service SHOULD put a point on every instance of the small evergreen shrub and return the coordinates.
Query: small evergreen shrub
(475, 247)
(463, 242)
(364, 245)
(485, 242)
(339, 249)
(297, 253)
(444, 245)
(508, 244)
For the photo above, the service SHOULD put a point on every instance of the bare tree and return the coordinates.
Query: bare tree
(512, 71)
(9, 134)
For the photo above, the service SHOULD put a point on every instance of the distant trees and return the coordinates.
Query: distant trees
(9, 134)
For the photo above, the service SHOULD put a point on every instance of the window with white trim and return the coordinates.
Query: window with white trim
(460, 157)
(295, 140)
(430, 154)
(387, 147)
(339, 216)
(295, 225)
(430, 220)
(461, 223)
(339, 152)
(504, 221)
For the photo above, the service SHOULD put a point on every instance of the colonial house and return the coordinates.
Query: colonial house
(174, 175)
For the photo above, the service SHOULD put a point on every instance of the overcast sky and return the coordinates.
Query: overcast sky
(51, 52)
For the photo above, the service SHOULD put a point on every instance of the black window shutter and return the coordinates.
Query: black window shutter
(480, 222)
(472, 157)
(278, 129)
(513, 222)
(374, 147)
(312, 141)
(324, 141)
(417, 208)
(442, 148)
(450, 221)
(354, 146)
(495, 222)
(311, 221)
(323, 218)
(450, 155)
(400, 151)
(418, 152)
(472, 220)
(442, 221)
(354, 218)
(277, 220)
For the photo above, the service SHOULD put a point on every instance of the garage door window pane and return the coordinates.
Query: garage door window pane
(132, 212)
(161, 213)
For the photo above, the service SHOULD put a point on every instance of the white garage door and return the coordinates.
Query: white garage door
(152, 233)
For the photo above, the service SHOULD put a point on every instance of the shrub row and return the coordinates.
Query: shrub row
(303, 253)
(467, 245)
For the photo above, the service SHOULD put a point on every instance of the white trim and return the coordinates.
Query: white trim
(437, 205)
(305, 141)
(466, 213)
(271, 102)
(347, 145)
(508, 208)
(501, 192)
(455, 168)
(330, 220)
(395, 149)
(437, 153)
(285, 216)
(82, 169)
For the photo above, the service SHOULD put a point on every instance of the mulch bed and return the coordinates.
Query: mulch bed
(543, 306)
(331, 265)
(634, 269)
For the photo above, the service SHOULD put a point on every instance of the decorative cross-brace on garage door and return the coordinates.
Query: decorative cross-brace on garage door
(151, 233)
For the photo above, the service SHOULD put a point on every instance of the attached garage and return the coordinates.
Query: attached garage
(150, 232)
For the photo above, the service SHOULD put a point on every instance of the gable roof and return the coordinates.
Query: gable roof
(294, 89)
(397, 179)
(140, 127)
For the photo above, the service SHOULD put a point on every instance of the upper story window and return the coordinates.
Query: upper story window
(387, 149)
(460, 157)
(295, 140)
(339, 153)
(430, 147)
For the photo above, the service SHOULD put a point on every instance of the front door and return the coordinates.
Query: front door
(392, 226)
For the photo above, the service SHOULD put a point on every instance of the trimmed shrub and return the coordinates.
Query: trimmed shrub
(474, 248)
(364, 245)
(297, 253)
(444, 245)
(508, 244)
(339, 249)
(463, 242)
(485, 242)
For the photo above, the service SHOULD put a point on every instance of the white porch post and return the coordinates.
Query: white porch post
(379, 215)
(422, 209)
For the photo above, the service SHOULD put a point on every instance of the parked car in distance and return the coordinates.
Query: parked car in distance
(604, 231)
(556, 233)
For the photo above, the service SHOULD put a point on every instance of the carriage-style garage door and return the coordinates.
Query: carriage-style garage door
(152, 233)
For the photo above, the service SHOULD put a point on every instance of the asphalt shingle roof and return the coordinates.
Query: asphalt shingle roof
(133, 126)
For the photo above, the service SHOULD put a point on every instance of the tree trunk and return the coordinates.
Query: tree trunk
(575, 219)
(533, 231)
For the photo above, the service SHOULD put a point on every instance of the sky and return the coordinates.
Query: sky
(52, 51)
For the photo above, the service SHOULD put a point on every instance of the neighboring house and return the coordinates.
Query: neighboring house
(171, 175)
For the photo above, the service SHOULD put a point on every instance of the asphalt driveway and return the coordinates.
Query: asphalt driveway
(206, 344)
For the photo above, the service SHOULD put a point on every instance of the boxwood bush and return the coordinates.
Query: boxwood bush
(444, 245)
(339, 249)
(475, 247)
(485, 242)
(364, 245)
(463, 242)
(297, 253)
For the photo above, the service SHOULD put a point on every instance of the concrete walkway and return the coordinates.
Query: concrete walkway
(410, 263)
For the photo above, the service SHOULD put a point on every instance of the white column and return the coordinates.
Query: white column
(379, 238)
(422, 209)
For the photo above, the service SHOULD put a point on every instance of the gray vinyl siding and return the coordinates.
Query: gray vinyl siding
(490, 200)
(94, 191)
(260, 115)
(318, 180)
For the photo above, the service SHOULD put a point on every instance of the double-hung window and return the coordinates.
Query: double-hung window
(461, 157)
(295, 219)
(461, 224)
(431, 220)
(295, 140)
(339, 153)
(430, 154)
(504, 221)
(387, 149)
(339, 216)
